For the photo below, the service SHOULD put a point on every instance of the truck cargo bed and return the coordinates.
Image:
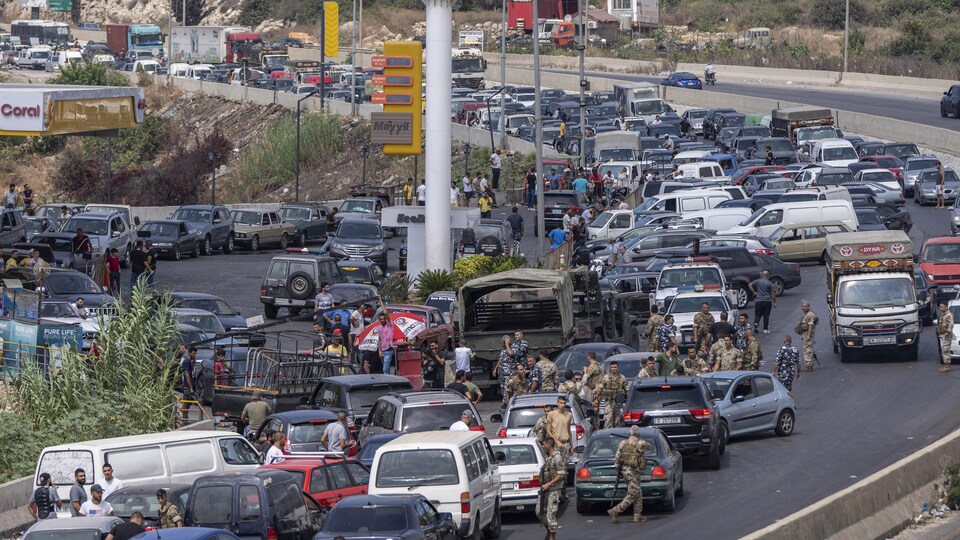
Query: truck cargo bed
(510, 316)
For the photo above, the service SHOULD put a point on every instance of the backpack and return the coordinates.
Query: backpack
(42, 498)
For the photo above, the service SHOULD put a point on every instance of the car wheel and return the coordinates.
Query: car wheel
(670, 504)
(270, 312)
(302, 239)
(207, 247)
(176, 253)
(492, 531)
(712, 459)
(680, 489)
(785, 423)
(943, 112)
(778, 287)
(255, 243)
(196, 251)
(823, 259)
(582, 506)
(284, 241)
(476, 534)
(724, 435)
(228, 248)
(743, 298)
(845, 354)
(300, 285)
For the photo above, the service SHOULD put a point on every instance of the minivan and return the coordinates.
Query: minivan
(684, 201)
(611, 224)
(176, 457)
(704, 170)
(766, 220)
(833, 152)
(716, 219)
(456, 470)
(816, 193)
(266, 504)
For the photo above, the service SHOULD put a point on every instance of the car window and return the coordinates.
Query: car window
(360, 474)
(834, 229)
(763, 385)
(278, 270)
(265, 220)
(772, 217)
(329, 396)
(813, 232)
(481, 457)
(237, 451)
(319, 480)
(470, 459)
(212, 504)
(338, 474)
(389, 415)
(274, 217)
(744, 388)
(249, 503)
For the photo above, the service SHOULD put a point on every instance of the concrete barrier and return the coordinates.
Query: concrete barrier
(591, 63)
(878, 506)
(751, 73)
(927, 87)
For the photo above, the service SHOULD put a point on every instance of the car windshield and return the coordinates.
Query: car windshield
(653, 106)
(516, 454)
(890, 162)
(877, 293)
(431, 418)
(616, 154)
(920, 164)
(602, 220)
(441, 303)
(73, 534)
(364, 397)
(422, 467)
(673, 396)
(366, 520)
(899, 149)
(359, 230)
(718, 383)
(57, 309)
(674, 277)
(33, 225)
(360, 207)
(691, 304)
(96, 227)
(207, 323)
(161, 229)
(308, 432)
(816, 134)
(72, 283)
(878, 176)
(555, 199)
(833, 179)
(869, 218)
(213, 305)
(192, 214)
(294, 214)
(247, 218)
(941, 253)
(524, 417)
(779, 184)
(779, 146)
(125, 504)
(628, 368)
(647, 204)
(356, 273)
(842, 152)
(352, 294)
(933, 176)
(606, 447)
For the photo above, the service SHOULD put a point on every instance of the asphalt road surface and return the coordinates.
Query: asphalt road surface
(852, 419)
(901, 106)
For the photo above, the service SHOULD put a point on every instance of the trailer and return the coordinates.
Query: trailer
(215, 44)
(785, 122)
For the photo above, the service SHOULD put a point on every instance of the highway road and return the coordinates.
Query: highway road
(852, 419)
(923, 110)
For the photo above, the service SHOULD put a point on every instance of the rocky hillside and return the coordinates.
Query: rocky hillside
(129, 11)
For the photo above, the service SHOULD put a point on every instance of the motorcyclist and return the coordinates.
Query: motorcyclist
(710, 72)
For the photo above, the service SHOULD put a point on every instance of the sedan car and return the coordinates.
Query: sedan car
(365, 272)
(950, 102)
(752, 402)
(143, 498)
(519, 460)
(575, 357)
(254, 228)
(927, 180)
(68, 285)
(199, 318)
(683, 79)
(171, 238)
(661, 480)
(783, 275)
(310, 220)
(408, 516)
(229, 317)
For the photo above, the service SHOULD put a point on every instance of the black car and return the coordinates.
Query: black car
(355, 394)
(228, 317)
(900, 150)
(894, 218)
(67, 285)
(214, 224)
(950, 102)
(651, 244)
(557, 202)
(143, 498)
(783, 150)
(925, 291)
(364, 272)
(490, 237)
(309, 218)
(869, 148)
(575, 357)
(834, 176)
(783, 275)
(867, 217)
(403, 516)
(171, 238)
(682, 408)
(739, 266)
(711, 121)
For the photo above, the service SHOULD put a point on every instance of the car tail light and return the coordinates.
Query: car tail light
(583, 475)
(529, 484)
(479, 428)
(465, 502)
(502, 433)
(286, 447)
(765, 251)
(659, 473)
(580, 432)
(789, 393)
(272, 533)
(701, 414)
(796, 269)
(633, 416)
(575, 208)
(263, 291)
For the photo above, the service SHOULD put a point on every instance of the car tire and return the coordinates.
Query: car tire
(680, 491)
(125, 261)
(302, 239)
(196, 251)
(785, 423)
(228, 247)
(778, 287)
(300, 286)
(492, 531)
(176, 252)
(670, 504)
(724, 435)
(823, 260)
(475, 534)
(284, 241)
(270, 312)
(743, 297)
(712, 459)
(207, 247)
(943, 112)
(255, 243)
(845, 355)
(583, 507)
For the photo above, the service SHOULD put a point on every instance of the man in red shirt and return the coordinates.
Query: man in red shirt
(113, 267)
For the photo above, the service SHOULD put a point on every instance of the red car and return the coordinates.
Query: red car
(891, 163)
(740, 174)
(326, 479)
(940, 259)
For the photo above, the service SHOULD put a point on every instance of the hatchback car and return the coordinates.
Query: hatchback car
(328, 479)
(410, 516)
(355, 395)
(303, 428)
(229, 317)
(524, 411)
(751, 402)
(661, 480)
(683, 79)
(418, 411)
(911, 170)
(520, 461)
(171, 238)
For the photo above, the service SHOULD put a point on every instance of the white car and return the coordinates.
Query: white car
(878, 176)
(66, 313)
(954, 307)
(520, 461)
(686, 305)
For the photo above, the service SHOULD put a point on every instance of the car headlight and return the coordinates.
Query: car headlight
(379, 247)
(910, 328)
(847, 331)
(336, 245)
(164, 244)
(241, 235)
(931, 277)
(956, 219)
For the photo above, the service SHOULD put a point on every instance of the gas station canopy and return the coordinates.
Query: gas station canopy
(53, 109)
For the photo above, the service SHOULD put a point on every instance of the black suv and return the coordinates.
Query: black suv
(556, 203)
(309, 218)
(292, 282)
(681, 407)
(355, 395)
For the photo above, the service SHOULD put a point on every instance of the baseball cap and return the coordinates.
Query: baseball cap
(96, 487)
(467, 413)
(337, 332)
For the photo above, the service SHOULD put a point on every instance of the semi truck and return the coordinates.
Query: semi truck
(468, 67)
(640, 100)
(786, 122)
(122, 38)
(871, 296)
(215, 44)
(520, 12)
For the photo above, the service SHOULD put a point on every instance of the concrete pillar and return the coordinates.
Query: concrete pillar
(438, 134)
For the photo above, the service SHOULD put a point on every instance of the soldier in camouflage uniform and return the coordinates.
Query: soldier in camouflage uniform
(553, 476)
(666, 334)
(612, 384)
(545, 376)
(517, 385)
(630, 461)
(691, 365)
(729, 358)
(743, 325)
(539, 429)
(571, 384)
(702, 322)
(591, 375)
(653, 326)
(752, 354)
(649, 370)
(945, 334)
(505, 367)
(806, 328)
(787, 364)
(714, 353)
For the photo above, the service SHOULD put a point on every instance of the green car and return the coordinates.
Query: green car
(595, 482)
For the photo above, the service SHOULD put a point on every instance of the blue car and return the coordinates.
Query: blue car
(369, 450)
(683, 79)
(407, 517)
(188, 533)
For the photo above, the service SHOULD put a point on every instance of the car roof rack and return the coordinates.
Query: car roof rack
(322, 455)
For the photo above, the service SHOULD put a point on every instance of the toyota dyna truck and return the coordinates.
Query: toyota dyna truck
(870, 294)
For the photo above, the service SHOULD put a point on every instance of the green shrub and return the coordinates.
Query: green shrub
(253, 12)
(832, 13)
(396, 289)
(431, 281)
(89, 74)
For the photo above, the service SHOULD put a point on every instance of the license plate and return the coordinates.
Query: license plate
(509, 486)
(660, 420)
(881, 340)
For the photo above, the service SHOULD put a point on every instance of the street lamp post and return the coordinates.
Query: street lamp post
(846, 36)
(364, 152)
(109, 170)
(214, 157)
(296, 192)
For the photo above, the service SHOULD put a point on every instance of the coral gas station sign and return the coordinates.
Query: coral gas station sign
(32, 110)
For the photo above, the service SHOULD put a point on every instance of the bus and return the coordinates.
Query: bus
(31, 32)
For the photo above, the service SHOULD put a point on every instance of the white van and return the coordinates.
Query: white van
(685, 201)
(456, 470)
(62, 58)
(175, 457)
(833, 152)
(690, 156)
(147, 66)
(816, 193)
(704, 170)
(33, 57)
(717, 219)
(769, 218)
(189, 71)
(611, 224)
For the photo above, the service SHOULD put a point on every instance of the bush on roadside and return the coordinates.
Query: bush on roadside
(89, 74)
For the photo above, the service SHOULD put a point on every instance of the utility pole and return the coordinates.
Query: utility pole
(538, 125)
(353, 60)
(438, 146)
(581, 46)
(296, 193)
(109, 170)
(846, 36)
(323, 51)
(503, 71)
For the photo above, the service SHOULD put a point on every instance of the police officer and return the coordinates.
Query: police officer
(666, 334)
(630, 462)
(553, 475)
(945, 333)
(612, 384)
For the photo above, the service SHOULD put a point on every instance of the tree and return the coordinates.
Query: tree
(832, 13)
(253, 12)
(196, 11)
(89, 74)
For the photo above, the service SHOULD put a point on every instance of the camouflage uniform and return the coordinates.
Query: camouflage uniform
(788, 361)
(516, 386)
(808, 319)
(591, 377)
(539, 430)
(752, 355)
(546, 372)
(702, 322)
(664, 333)
(730, 359)
(570, 387)
(692, 365)
(650, 331)
(630, 460)
(945, 333)
(714, 353)
(647, 374)
(740, 335)
(553, 466)
(609, 388)
(169, 516)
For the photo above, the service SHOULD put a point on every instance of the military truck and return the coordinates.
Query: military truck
(553, 310)
(870, 294)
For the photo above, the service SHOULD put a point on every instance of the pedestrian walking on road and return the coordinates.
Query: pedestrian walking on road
(517, 385)
(787, 364)
(44, 499)
(611, 386)
(630, 463)
(651, 331)
(506, 366)
(385, 348)
(729, 358)
(945, 334)
(138, 263)
(552, 478)
(805, 328)
(153, 256)
(764, 300)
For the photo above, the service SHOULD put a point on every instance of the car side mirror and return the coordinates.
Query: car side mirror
(115, 234)
(217, 220)
(136, 221)
(6, 227)
(446, 516)
(496, 418)
(738, 399)
(501, 456)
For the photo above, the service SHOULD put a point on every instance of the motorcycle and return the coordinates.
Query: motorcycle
(711, 78)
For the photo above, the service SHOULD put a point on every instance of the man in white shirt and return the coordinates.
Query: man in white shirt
(96, 506)
(463, 424)
(81, 310)
(274, 453)
(467, 189)
(422, 194)
(454, 195)
(463, 355)
(110, 482)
